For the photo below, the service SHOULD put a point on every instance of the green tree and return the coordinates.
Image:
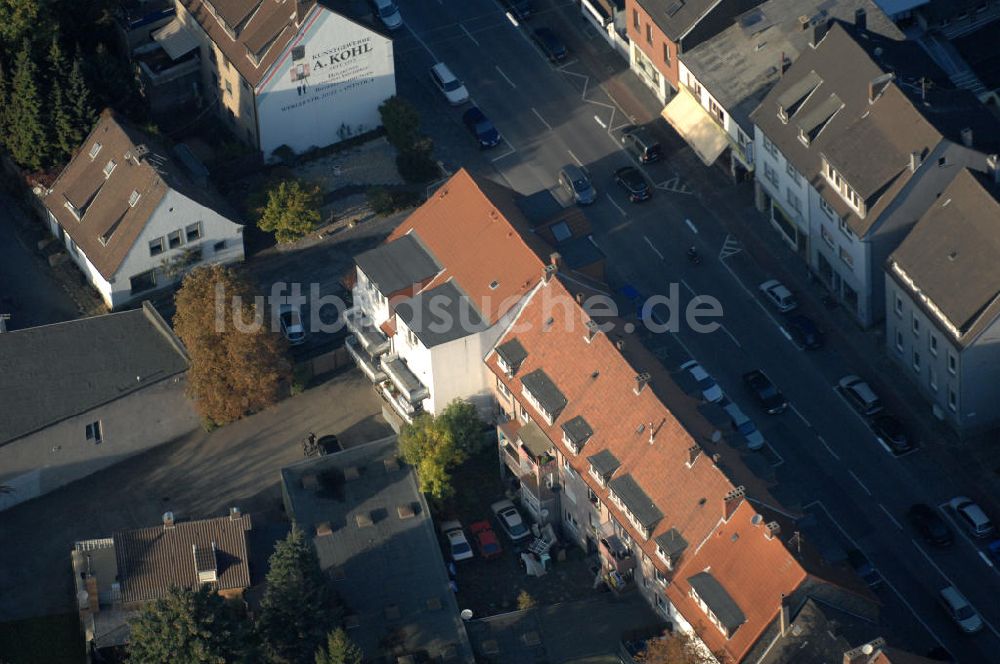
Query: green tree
(428, 445)
(236, 369)
(461, 419)
(525, 601)
(82, 113)
(26, 137)
(4, 108)
(339, 650)
(401, 122)
(190, 626)
(298, 610)
(18, 20)
(291, 212)
(66, 138)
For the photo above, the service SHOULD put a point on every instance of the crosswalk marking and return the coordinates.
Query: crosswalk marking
(730, 247)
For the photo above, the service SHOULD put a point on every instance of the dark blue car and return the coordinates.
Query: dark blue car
(480, 126)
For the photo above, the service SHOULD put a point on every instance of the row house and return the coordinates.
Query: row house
(847, 161)
(943, 317)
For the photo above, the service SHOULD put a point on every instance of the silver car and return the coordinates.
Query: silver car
(576, 181)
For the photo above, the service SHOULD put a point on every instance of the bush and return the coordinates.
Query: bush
(384, 202)
(301, 377)
(525, 601)
(417, 166)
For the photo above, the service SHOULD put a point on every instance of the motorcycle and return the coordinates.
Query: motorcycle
(693, 255)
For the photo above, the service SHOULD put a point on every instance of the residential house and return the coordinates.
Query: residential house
(847, 160)
(943, 317)
(82, 395)
(430, 303)
(729, 74)
(131, 216)
(375, 539)
(116, 576)
(608, 18)
(296, 74)
(567, 230)
(137, 20)
(901, 11)
(877, 651)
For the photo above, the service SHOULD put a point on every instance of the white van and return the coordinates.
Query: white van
(449, 85)
(389, 14)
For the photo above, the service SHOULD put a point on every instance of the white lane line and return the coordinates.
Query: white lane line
(506, 78)
(949, 514)
(781, 459)
(931, 561)
(785, 332)
(860, 483)
(753, 297)
(884, 446)
(828, 448)
(986, 559)
(731, 336)
(653, 247)
(423, 43)
(469, 34)
(685, 284)
(801, 416)
(511, 150)
(541, 119)
(617, 207)
(836, 389)
(578, 162)
(510, 17)
(690, 224)
(600, 122)
(891, 517)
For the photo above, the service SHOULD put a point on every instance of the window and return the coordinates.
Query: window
(916, 361)
(770, 147)
(649, 34)
(952, 364)
(597, 476)
(916, 325)
(212, 56)
(717, 111)
(143, 282)
(156, 247)
(94, 149)
(94, 432)
(174, 239)
(298, 52)
(899, 340)
(793, 200)
(219, 246)
(952, 400)
(899, 305)
(666, 53)
(932, 342)
(193, 231)
(770, 174)
(503, 388)
(635, 19)
(826, 236)
(109, 167)
(845, 229)
(932, 379)
(411, 338)
(825, 207)
(133, 198)
(792, 173)
(229, 88)
(846, 257)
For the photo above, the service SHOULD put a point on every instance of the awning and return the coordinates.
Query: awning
(175, 39)
(692, 122)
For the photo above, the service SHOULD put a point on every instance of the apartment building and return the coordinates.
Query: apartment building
(943, 317)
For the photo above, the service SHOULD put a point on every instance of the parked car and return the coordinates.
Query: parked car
(634, 183)
(450, 86)
(710, 390)
(458, 545)
(972, 517)
(547, 40)
(521, 9)
(959, 610)
(388, 13)
(640, 142)
(890, 432)
(575, 180)
(486, 540)
(481, 127)
(766, 392)
(861, 397)
(930, 525)
(863, 567)
(290, 318)
(779, 296)
(510, 520)
(744, 426)
(805, 332)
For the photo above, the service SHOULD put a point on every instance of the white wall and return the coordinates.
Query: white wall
(418, 359)
(831, 244)
(346, 73)
(95, 278)
(778, 189)
(366, 299)
(731, 127)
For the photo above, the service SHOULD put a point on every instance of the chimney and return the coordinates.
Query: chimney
(235, 514)
(168, 520)
(693, 453)
(652, 433)
(620, 344)
(804, 22)
(993, 165)
(641, 381)
(773, 530)
(861, 18)
(731, 501)
(579, 298)
(592, 330)
(819, 31)
(967, 137)
(877, 86)
(548, 272)
(784, 615)
(555, 258)
(915, 161)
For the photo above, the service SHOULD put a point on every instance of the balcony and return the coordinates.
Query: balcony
(399, 403)
(368, 365)
(615, 553)
(372, 340)
(404, 380)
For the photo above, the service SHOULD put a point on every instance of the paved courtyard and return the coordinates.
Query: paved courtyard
(198, 476)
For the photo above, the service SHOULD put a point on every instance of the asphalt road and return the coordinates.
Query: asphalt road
(824, 456)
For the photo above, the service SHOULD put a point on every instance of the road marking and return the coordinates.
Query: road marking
(541, 119)
(948, 514)
(469, 35)
(730, 247)
(734, 339)
(690, 224)
(801, 416)
(655, 250)
(753, 296)
(506, 78)
(422, 43)
(781, 459)
(986, 559)
(600, 122)
(685, 284)
(510, 17)
(675, 185)
(828, 448)
(511, 150)
(952, 583)
(860, 483)
(785, 332)
(617, 207)
(836, 389)
(578, 162)
(891, 517)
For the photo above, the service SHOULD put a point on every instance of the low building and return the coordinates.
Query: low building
(132, 218)
(943, 312)
(116, 576)
(289, 73)
(82, 395)
(373, 533)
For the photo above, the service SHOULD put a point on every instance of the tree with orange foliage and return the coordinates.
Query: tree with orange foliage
(675, 648)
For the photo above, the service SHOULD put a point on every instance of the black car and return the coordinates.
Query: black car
(805, 332)
(767, 394)
(480, 126)
(551, 45)
(890, 432)
(864, 568)
(521, 9)
(930, 525)
(634, 183)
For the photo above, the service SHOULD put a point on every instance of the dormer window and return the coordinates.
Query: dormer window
(94, 150)
(576, 433)
(72, 210)
(597, 475)
(133, 198)
(510, 355)
(109, 167)
(602, 466)
(539, 390)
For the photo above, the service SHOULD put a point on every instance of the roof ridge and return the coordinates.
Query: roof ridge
(152, 314)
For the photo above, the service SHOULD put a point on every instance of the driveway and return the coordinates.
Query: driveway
(198, 476)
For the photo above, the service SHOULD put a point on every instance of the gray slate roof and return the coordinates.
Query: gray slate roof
(718, 600)
(642, 506)
(53, 372)
(545, 391)
(672, 543)
(399, 264)
(440, 315)
(534, 439)
(578, 430)
(513, 353)
(604, 462)
(675, 17)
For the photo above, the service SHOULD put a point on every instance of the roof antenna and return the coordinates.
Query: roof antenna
(652, 435)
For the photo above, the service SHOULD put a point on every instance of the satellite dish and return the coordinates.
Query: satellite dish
(716, 436)
(466, 614)
(867, 649)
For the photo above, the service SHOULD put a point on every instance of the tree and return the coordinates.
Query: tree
(416, 164)
(298, 610)
(82, 112)
(291, 212)
(18, 19)
(461, 419)
(235, 369)
(429, 446)
(4, 100)
(190, 626)
(26, 138)
(67, 138)
(401, 122)
(339, 650)
(677, 648)
(525, 601)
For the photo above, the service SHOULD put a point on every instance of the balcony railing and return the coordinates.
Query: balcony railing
(399, 403)
(369, 366)
(405, 380)
(371, 338)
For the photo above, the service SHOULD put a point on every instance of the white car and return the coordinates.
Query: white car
(744, 426)
(450, 86)
(510, 520)
(389, 14)
(458, 545)
(709, 388)
(972, 517)
(291, 324)
(776, 293)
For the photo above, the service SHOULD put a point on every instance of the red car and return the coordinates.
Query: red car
(485, 539)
